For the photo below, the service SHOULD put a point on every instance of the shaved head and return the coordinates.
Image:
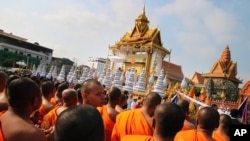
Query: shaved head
(69, 95)
(169, 118)
(82, 122)
(87, 85)
(208, 118)
(22, 92)
(152, 99)
(184, 104)
(225, 121)
(114, 95)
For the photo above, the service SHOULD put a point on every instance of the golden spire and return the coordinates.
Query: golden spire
(226, 55)
(141, 23)
(143, 10)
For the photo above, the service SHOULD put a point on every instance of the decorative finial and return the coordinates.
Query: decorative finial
(143, 10)
(226, 55)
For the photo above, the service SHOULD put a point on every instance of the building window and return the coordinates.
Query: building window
(5, 49)
(21, 53)
(16, 52)
(28, 55)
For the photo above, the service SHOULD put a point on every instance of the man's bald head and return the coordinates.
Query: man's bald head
(69, 95)
(114, 95)
(82, 122)
(225, 121)
(208, 118)
(87, 85)
(169, 118)
(152, 99)
(22, 92)
(3, 80)
(184, 104)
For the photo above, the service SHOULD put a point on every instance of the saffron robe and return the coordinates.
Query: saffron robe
(137, 138)
(184, 128)
(53, 101)
(190, 135)
(131, 122)
(219, 137)
(42, 111)
(49, 119)
(1, 133)
(107, 122)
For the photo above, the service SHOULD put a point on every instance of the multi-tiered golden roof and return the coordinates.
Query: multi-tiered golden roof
(141, 47)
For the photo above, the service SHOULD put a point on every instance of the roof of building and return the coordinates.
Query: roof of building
(174, 71)
(12, 39)
(245, 89)
(141, 37)
(197, 78)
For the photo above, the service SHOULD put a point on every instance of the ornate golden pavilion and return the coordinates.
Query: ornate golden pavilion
(141, 48)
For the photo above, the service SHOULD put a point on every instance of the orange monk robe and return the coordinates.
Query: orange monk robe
(49, 119)
(53, 101)
(131, 122)
(42, 112)
(137, 138)
(218, 137)
(184, 128)
(107, 122)
(1, 133)
(190, 135)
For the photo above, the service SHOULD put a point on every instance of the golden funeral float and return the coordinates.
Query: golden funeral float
(143, 56)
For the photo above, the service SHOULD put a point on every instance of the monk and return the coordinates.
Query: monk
(81, 122)
(3, 99)
(24, 97)
(207, 121)
(122, 104)
(93, 93)
(48, 91)
(109, 113)
(57, 99)
(222, 132)
(69, 99)
(137, 121)
(184, 104)
(168, 120)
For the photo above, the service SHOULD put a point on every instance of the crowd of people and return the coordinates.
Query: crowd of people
(34, 108)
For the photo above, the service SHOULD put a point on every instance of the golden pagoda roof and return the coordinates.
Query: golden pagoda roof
(224, 67)
(141, 35)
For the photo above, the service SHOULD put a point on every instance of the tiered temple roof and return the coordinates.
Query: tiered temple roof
(141, 36)
(224, 67)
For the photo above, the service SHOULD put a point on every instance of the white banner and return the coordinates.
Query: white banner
(191, 99)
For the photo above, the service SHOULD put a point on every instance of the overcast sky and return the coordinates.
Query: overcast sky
(197, 31)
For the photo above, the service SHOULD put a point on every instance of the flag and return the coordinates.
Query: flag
(175, 99)
(191, 92)
(243, 110)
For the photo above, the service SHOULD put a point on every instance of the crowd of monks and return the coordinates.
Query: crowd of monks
(33, 108)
